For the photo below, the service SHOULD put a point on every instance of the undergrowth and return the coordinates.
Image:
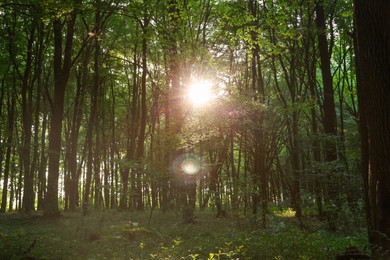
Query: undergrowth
(137, 235)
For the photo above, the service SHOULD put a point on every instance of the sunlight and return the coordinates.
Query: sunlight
(200, 93)
(285, 213)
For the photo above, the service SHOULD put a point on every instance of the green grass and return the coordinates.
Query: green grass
(112, 235)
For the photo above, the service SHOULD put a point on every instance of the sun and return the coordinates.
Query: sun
(200, 93)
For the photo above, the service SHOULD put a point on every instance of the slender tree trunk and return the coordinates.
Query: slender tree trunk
(27, 95)
(106, 177)
(10, 132)
(97, 178)
(329, 113)
(12, 182)
(177, 112)
(328, 105)
(91, 130)
(42, 166)
(214, 189)
(155, 144)
(141, 137)
(310, 66)
(132, 136)
(81, 83)
(113, 166)
(260, 178)
(2, 91)
(235, 187)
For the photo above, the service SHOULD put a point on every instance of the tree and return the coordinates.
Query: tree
(373, 61)
(329, 110)
(26, 77)
(10, 130)
(62, 65)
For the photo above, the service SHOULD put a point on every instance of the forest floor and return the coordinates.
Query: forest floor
(110, 234)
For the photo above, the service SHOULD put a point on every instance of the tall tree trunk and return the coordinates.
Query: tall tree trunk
(12, 182)
(113, 166)
(97, 178)
(35, 167)
(92, 123)
(78, 108)
(2, 92)
(10, 133)
(260, 178)
(213, 184)
(310, 64)
(329, 113)
(176, 101)
(328, 105)
(27, 92)
(62, 68)
(141, 137)
(373, 53)
(42, 166)
(106, 172)
(234, 191)
(132, 135)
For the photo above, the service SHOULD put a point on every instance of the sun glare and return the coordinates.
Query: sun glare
(200, 93)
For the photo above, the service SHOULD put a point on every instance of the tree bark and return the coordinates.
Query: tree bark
(373, 56)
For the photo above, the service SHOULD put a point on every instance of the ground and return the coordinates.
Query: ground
(111, 234)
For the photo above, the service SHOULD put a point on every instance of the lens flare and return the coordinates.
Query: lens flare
(190, 166)
(187, 164)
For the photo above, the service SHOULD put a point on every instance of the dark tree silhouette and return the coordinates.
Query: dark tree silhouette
(373, 52)
(62, 66)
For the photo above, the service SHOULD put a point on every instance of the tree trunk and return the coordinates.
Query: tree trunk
(373, 53)
(27, 93)
(81, 83)
(10, 132)
(2, 92)
(113, 166)
(91, 130)
(329, 113)
(141, 137)
(260, 180)
(62, 68)
(42, 166)
(12, 182)
(310, 64)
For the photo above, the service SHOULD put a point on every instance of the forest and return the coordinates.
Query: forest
(195, 129)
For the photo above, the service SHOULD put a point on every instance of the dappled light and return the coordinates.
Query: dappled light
(285, 213)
